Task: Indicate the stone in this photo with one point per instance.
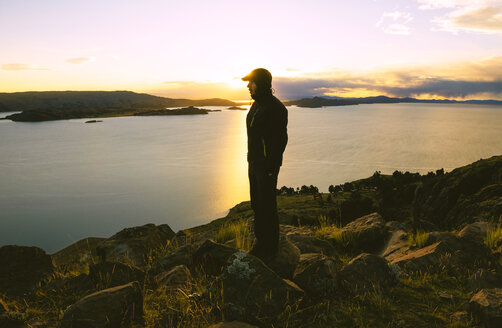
(212, 257)
(111, 274)
(428, 258)
(483, 279)
(397, 245)
(78, 254)
(22, 268)
(365, 271)
(486, 305)
(232, 324)
(177, 277)
(113, 307)
(365, 234)
(285, 261)
(316, 274)
(310, 244)
(474, 232)
(254, 293)
(133, 245)
(180, 256)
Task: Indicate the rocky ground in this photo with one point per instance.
(432, 259)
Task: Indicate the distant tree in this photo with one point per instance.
(331, 189)
(304, 190)
(347, 186)
(440, 172)
(338, 188)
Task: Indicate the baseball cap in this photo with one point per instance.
(260, 76)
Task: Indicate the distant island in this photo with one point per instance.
(64, 105)
(190, 110)
(236, 108)
(316, 102)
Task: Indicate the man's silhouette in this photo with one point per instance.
(267, 138)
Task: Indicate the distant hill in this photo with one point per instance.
(316, 102)
(56, 105)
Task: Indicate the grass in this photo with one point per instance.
(492, 235)
(418, 239)
(239, 231)
(331, 231)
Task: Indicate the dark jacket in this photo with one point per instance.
(266, 123)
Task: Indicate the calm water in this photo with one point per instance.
(64, 180)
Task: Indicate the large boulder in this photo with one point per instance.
(487, 306)
(77, 255)
(212, 257)
(366, 271)
(307, 243)
(22, 268)
(177, 277)
(285, 261)
(254, 293)
(316, 274)
(365, 234)
(474, 233)
(180, 256)
(114, 307)
(133, 245)
(397, 245)
(111, 274)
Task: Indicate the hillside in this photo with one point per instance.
(400, 250)
(54, 105)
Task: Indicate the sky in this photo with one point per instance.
(200, 49)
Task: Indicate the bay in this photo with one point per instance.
(61, 181)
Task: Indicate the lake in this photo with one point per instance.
(61, 181)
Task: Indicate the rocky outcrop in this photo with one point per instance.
(474, 233)
(132, 245)
(77, 253)
(285, 261)
(397, 245)
(365, 234)
(114, 307)
(254, 293)
(307, 243)
(365, 271)
(316, 274)
(180, 256)
(212, 257)
(111, 274)
(487, 306)
(22, 268)
(177, 277)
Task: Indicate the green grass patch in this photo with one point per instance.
(492, 235)
(236, 230)
(418, 239)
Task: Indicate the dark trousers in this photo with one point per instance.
(262, 188)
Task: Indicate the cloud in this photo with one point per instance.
(476, 80)
(395, 22)
(80, 60)
(21, 67)
(483, 16)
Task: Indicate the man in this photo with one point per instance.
(267, 138)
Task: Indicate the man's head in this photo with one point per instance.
(260, 80)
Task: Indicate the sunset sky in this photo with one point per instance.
(200, 49)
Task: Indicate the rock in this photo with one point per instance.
(78, 254)
(22, 268)
(310, 244)
(316, 274)
(254, 293)
(474, 232)
(397, 245)
(181, 255)
(487, 306)
(446, 250)
(365, 271)
(396, 225)
(365, 234)
(285, 261)
(462, 316)
(483, 278)
(80, 284)
(232, 324)
(132, 245)
(111, 274)
(212, 257)
(113, 307)
(177, 277)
